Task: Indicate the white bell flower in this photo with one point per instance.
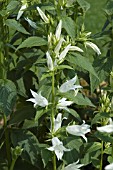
(58, 46)
(69, 85)
(58, 121)
(58, 30)
(64, 53)
(31, 23)
(79, 130)
(62, 104)
(106, 128)
(49, 61)
(75, 48)
(109, 167)
(42, 15)
(38, 99)
(21, 11)
(74, 166)
(93, 46)
(58, 148)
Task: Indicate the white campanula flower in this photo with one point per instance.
(58, 121)
(74, 166)
(58, 148)
(109, 167)
(64, 53)
(42, 15)
(38, 99)
(106, 128)
(58, 46)
(31, 23)
(79, 130)
(75, 48)
(62, 104)
(58, 30)
(21, 11)
(49, 61)
(69, 85)
(93, 46)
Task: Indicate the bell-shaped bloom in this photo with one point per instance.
(93, 46)
(21, 11)
(107, 128)
(58, 46)
(79, 130)
(64, 53)
(58, 148)
(69, 85)
(58, 121)
(58, 30)
(49, 61)
(74, 166)
(42, 15)
(31, 23)
(75, 48)
(38, 99)
(109, 167)
(62, 104)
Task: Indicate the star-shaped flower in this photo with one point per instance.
(62, 104)
(58, 148)
(38, 99)
(69, 85)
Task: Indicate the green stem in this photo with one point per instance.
(101, 161)
(12, 164)
(53, 102)
(7, 141)
(112, 150)
(53, 115)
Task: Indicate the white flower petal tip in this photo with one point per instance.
(62, 104)
(75, 48)
(93, 46)
(42, 15)
(107, 128)
(21, 11)
(74, 166)
(58, 30)
(31, 23)
(64, 53)
(69, 85)
(49, 61)
(38, 99)
(109, 167)
(58, 148)
(58, 122)
(79, 130)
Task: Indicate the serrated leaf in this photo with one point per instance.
(12, 5)
(46, 156)
(104, 137)
(29, 124)
(69, 26)
(7, 96)
(32, 42)
(82, 62)
(75, 114)
(16, 26)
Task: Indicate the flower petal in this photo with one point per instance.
(58, 30)
(21, 11)
(43, 16)
(49, 61)
(93, 46)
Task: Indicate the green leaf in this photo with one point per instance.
(99, 116)
(75, 114)
(109, 7)
(7, 96)
(46, 156)
(84, 5)
(82, 62)
(29, 124)
(12, 6)
(16, 26)
(29, 143)
(79, 99)
(32, 42)
(104, 137)
(69, 26)
(40, 113)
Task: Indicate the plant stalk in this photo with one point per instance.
(101, 161)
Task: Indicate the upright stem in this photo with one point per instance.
(53, 115)
(7, 141)
(112, 150)
(101, 161)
